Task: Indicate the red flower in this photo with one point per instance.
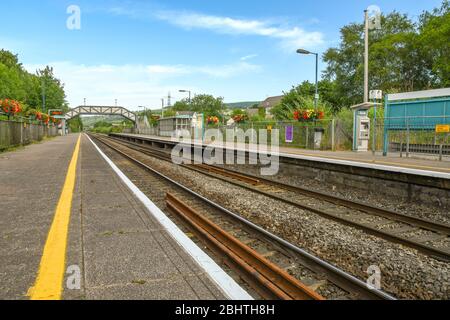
(212, 120)
(321, 115)
(10, 106)
(305, 115)
(296, 115)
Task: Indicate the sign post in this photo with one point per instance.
(59, 114)
(375, 95)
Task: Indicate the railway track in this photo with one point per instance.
(428, 237)
(273, 267)
(272, 281)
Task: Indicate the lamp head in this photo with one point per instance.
(303, 51)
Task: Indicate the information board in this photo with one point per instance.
(289, 135)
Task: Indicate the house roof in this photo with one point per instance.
(271, 102)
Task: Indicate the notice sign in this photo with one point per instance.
(56, 113)
(443, 128)
(289, 136)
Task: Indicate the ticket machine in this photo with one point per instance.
(363, 132)
(361, 127)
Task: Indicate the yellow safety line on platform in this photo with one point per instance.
(48, 285)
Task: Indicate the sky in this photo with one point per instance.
(138, 51)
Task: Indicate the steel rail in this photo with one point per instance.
(281, 284)
(354, 204)
(392, 215)
(335, 274)
(424, 248)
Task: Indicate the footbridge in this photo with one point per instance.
(101, 111)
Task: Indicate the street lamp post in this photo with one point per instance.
(187, 91)
(162, 107)
(316, 96)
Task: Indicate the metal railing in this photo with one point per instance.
(333, 132)
(402, 136)
(414, 135)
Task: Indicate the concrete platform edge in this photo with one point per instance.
(228, 286)
(323, 159)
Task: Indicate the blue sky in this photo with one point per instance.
(138, 51)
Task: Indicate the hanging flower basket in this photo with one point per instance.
(45, 118)
(32, 114)
(308, 115)
(212, 120)
(240, 118)
(10, 107)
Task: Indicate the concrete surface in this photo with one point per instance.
(30, 184)
(121, 251)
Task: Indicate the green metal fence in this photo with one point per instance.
(335, 134)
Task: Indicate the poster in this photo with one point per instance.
(289, 136)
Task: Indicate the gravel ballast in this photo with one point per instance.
(433, 213)
(405, 273)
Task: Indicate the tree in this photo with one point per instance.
(202, 103)
(55, 97)
(75, 124)
(102, 124)
(182, 105)
(11, 77)
(208, 105)
(434, 38)
(302, 98)
(18, 84)
(403, 56)
(237, 112)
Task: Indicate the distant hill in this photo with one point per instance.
(241, 105)
(89, 121)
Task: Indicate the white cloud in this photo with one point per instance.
(133, 85)
(291, 37)
(222, 71)
(248, 57)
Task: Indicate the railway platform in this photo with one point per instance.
(399, 179)
(73, 227)
(393, 162)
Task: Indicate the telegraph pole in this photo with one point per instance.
(366, 56)
(43, 94)
(169, 100)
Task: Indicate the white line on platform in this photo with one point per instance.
(229, 287)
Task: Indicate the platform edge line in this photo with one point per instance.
(227, 284)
